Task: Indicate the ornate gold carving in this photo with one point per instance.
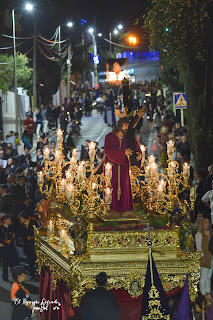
(124, 261)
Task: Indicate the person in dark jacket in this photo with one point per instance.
(27, 235)
(63, 121)
(99, 303)
(7, 248)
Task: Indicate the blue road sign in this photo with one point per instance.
(180, 100)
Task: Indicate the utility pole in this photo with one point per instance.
(69, 65)
(110, 41)
(95, 57)
(34, 69)
(15, 75)
(84, 78)
(59, 52)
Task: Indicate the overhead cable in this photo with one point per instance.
(19, 38)
(6, 48)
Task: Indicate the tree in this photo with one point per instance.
(24, 72)
(181, 31)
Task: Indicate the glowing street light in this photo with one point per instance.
(69, 24)
(91, 30)
(99, 34)
(115, 31)
(120, 27)
(132, 40)
(29, 7)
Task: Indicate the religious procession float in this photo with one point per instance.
(80, 236)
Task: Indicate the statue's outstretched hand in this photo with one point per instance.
(128, 152)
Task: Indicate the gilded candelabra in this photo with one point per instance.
(160, 191)
(75, 184)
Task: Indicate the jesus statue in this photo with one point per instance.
(118, 153)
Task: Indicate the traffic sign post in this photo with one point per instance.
(180, 102)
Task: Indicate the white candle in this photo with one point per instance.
(186, 169)
(160, 191)
(151, 159)
(170, 145)
(92, 149)
(94, 185)
(143, 150)
(40, 177)
(60, 135)
(51, 226)
(108, 170)
(63, 184)
(70, 190)
(68, 175)
(63, 235)
(46, 153)
(153, 168)
(108, 195)
(57, 155)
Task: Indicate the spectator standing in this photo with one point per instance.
(207, 199)
(208, 179)
(44, 119)
(29, 127)
(26, 140)
(202, 238)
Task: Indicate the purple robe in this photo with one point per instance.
(115, 153)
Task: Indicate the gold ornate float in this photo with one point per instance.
(123, 255)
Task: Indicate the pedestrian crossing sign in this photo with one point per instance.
(180, 100)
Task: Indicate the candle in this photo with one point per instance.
(40, 177)
(170, 145)
(143, 150)
(108, 195)
(57, 155)
(151, 159)
(186, 170)
(63, 184)
(153, 168)
(70, 190)
(51, 226)
(160, 191)
(80, 171)
(63, 235)
(46, 153)
(92, 149)
(68, 175)
(108, 170)
(60, 134)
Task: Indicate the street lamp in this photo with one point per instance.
(99, 34)
(115, 31)
(28, 7)
(95, 54)
(69, 24)
(120, 27)
(91, 30)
